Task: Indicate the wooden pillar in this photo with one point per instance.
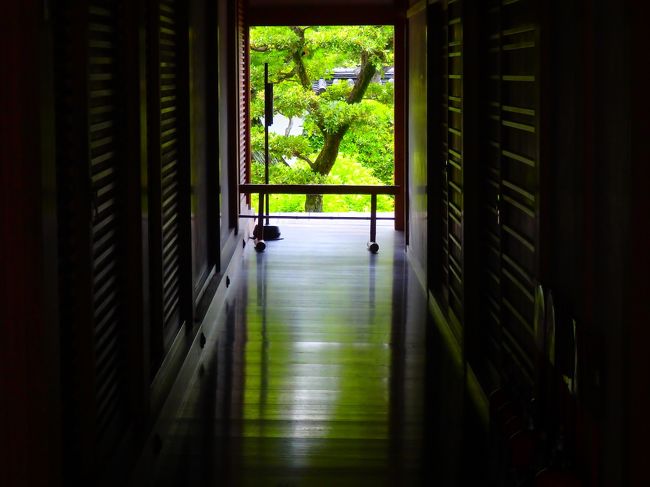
(638, 370)
(30, 451)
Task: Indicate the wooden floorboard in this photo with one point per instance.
(316, 375)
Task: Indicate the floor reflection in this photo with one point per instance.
(316, 375)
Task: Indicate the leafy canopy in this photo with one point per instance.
(355, 119)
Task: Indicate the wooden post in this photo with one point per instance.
(372, 245)
(260, 245)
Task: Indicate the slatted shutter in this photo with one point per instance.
(169, 171)
(510, 189)
(491, 189)
(243, 100)
(453, 160)
(106, 145)
(93, 238)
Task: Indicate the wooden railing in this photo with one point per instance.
(264, 189)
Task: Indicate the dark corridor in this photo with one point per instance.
(503, 341)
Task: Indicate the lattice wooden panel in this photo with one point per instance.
(243, 98)
(490, 175)
(510, 180)
(453, 151)
(106, 156)
(91, 160)
(170, 162)
(168, 171)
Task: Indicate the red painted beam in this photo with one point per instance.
(324, 15)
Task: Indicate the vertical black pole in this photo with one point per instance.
(373, 217)
(373, 246)
(260, 245)
(267, 123)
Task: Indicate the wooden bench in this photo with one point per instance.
(265, 189)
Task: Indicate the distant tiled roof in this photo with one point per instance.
(349, 75)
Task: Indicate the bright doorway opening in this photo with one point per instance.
(333, 112)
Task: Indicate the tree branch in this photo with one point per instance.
(366, 71)
(299, 32)
(287, 131)
(303, 78)
(306, 159)
(296, 56)
(285, 76)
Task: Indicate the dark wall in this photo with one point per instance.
(616, 215)
(329, 3)
(611, 228)
(592, 227)
(228, 129)
(417, 138)
(322, 11)
(203, 149)
(637, 311)
(570, 210)
(593, 236)
(61, 105)
(30, 425)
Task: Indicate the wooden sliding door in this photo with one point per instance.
(170, 265)
(510, 190)
(93, 170)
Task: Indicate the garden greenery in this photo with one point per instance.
(347, 129)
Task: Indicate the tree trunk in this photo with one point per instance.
(314, 203)
(332, 140)
(323, 165)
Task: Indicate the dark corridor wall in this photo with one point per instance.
(559, 91)
(115, 235)
(29, 365)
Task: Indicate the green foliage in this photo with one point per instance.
(373, 146)
(280, 146)
(290, 100)
(300, 173)
(346, 171)
(299, 56)
(349, 171)
(384, 94)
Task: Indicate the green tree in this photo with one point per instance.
(355, 118)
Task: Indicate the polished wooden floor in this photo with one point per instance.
(316, 374)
